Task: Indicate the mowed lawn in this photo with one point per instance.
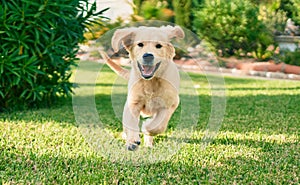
(258, 142)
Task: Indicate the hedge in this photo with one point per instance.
(38, 45)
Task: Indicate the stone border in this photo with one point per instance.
(242, 73)
(201, 66)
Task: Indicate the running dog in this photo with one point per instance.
(153, 80)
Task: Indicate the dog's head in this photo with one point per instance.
(149, 47)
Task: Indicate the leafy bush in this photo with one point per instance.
(39, 41)
(137, 6)
(182, 9)
(231, 26)
(292, 7)
(156, 9)
(273, 17)
(291, 57)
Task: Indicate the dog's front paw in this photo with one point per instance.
(133, 146)
(137, 142)
(131, 142)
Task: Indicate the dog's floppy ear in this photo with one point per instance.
(174, 32)
(122, 37)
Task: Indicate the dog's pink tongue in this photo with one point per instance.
(148, 69)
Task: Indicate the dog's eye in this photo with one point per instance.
(140, 44)
(158, 46)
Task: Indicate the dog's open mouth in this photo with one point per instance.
(148, 71)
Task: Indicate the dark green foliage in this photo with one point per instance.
(197, 3)
(291, 57)
(292, 7)
(156, 9)
(38, 46)
(138, 4)
(182, 10)
(231, 26)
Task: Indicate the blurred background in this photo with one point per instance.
(249, 28)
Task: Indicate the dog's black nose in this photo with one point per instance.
(148, 57)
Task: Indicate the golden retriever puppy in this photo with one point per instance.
(153, 80)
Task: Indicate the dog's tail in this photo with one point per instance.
(124, 73)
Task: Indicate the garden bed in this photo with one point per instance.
(242, 67)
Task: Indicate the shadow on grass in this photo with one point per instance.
(263, 88)
(60, 112)
(271, 114)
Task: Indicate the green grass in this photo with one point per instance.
(258, 142)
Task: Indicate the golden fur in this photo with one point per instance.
(153, 81)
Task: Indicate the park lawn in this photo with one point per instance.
(258, 142)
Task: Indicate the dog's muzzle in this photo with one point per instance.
(147, 71)
(147, 67)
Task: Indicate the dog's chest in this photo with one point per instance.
(155, 88)
(151, 88)
(154, 94)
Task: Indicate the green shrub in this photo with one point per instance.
(273, 17)
(137, 6)
(156, 9)
(231, 26)
(182, 9)
(38, 46)
(291, 57)
(292, 7)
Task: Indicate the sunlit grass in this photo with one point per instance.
(258, 142)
